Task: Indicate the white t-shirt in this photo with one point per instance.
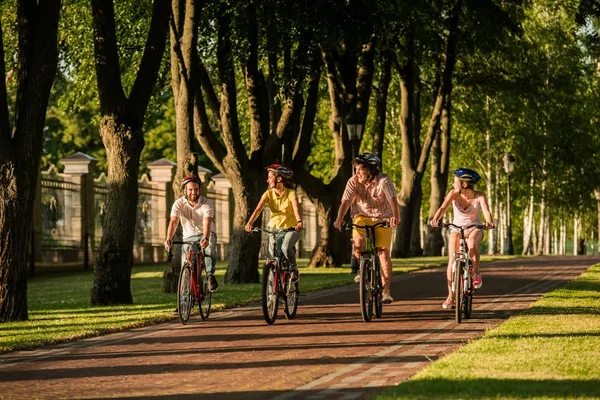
(192, 218)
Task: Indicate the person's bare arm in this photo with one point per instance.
(442, 210)
(255, 215)
(344, 206)
(296, 207)
(206, 224)
(485, 208)
(171, 231)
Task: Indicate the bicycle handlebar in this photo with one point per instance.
(274, 231)
(383, 224)
(170, 255)
(463, 227)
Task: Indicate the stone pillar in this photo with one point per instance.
(81, 167)
(223, 213)
(162, 172)
(205, 175)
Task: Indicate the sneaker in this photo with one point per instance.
(295, 275)
(477, 281)
(176, 313)
(449, 303)
(387, 297)
(213, 285)
(357, 278)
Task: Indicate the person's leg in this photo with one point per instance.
(353, 263)
(473, 241)
(386, 267)
(452, 247)
(287, 247)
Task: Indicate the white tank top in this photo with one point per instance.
(467, 216)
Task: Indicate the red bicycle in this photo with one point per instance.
(277, 281)
(192, 287)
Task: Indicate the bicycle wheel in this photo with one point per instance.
(468, 285)
(378, 293)
(290, 306)
(185, 293)
(270, 301)
(205, 300)
(457, 285)
(366, 298)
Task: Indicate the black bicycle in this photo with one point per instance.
(462, 274)
(277, 281)
(192, 287)
(371, 287)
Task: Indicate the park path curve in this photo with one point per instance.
(327, 352)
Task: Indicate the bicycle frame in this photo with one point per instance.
(462, 273)
(198, 290)
(281, 286)
(371, 287)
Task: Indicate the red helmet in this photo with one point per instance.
(190, 178)
(286, 173)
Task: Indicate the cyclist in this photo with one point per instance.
(467, 203)
(197, 220)
(282, 200)
(371, 197)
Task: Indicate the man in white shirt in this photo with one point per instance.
(197, 220)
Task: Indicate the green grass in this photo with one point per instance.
(550, 351)
(60, 310)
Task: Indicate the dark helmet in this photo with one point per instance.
(370, 160)
(190, 178)
(286, 173)
(466, 175)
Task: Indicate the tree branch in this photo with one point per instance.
(110, 87)
(151, 59)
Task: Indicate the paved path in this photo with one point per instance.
(327, 352)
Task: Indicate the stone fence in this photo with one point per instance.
(67, 223)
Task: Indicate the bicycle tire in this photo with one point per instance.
(205, 300)
(366, 298)
(468, 302)
(185, 293)
(458, 290)
(270, 298)
(378, 293)
(290, 306)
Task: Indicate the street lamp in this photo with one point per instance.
(509, 166)
(355, 130)
(354, 127)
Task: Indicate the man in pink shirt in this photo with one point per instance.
(372, 196)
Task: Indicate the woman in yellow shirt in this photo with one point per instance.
(282, 200)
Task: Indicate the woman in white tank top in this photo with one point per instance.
(467, 204)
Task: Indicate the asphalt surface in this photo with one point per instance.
(327, 352)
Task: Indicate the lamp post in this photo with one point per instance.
(509, 166)
(597, 196)
(355, 130)
(354, 127)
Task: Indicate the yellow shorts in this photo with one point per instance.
(383, 236)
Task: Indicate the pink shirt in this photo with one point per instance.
(371, 200)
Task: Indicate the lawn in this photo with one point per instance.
(550, 351)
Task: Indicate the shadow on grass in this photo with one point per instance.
(439, 388)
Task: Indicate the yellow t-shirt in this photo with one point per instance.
(282, 211)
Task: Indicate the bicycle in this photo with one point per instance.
(462, 274)
(277, 281)
(371, 287)
(192, 287)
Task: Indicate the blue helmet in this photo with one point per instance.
(466, 175)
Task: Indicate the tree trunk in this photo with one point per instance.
(243, 254)
(21, 146)
(528, 225)
(120, 129)
(440, 161)
(114, 259)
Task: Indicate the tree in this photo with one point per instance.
(121, 123)
(21, 144)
